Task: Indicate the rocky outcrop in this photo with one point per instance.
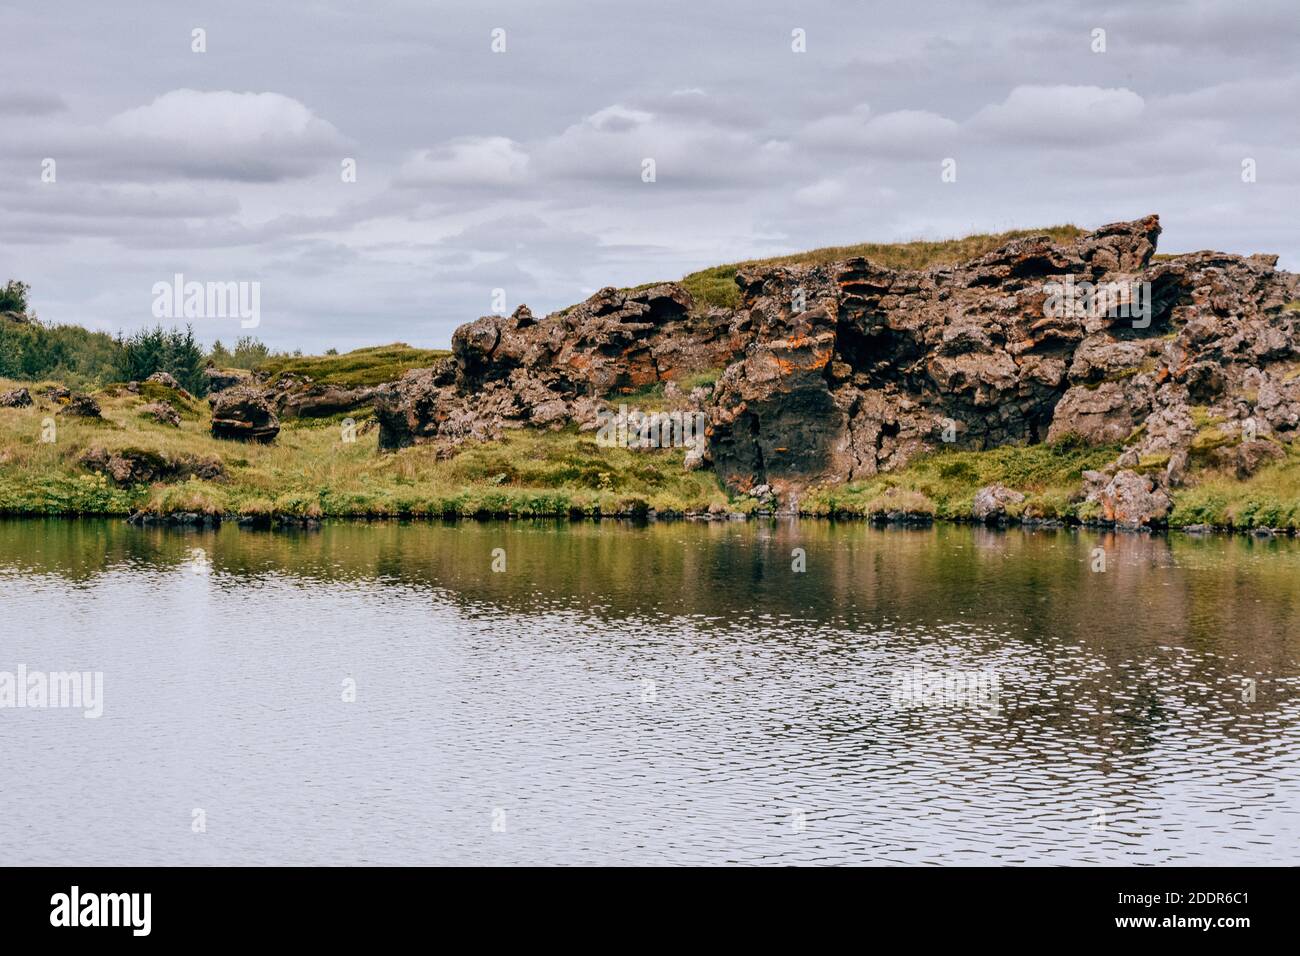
(841, 371)
(129, 466)
(78, 405)
(508, 372)
(164, 413)
(243, 413)
(17, 398)
(166, 379)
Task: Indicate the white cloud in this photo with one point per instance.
(610, 145)
(258, 137)
(1060, 114)
(901, 133)
(468, 161)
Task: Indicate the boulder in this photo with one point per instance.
(318, 401)
(164, 413)
(243, 413)
(17, 398)
(1133, 501)
(167, 380)
(80, 405)
(991, 502)
(129, 466)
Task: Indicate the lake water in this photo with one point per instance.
(669, 693)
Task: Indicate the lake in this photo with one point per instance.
(672, 692)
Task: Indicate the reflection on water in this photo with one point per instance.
(666, 693)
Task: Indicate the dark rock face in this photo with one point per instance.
(244, 414)
(838, 372)
(18, 398)
(883, 364)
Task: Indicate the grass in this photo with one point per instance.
(362, 367)
(1268, 499)
(716, 286)
(944, 484)
(310, 472)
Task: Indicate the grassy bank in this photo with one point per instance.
(716, 286)
(310, 472)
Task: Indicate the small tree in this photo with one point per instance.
(13, 296)
(157, 350)
(249, 353)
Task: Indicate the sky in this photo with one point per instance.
(500, 148)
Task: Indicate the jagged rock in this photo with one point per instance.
(129, 466)
(775, 419)
(1133, 501)
(18, 398)
(507, 372)
(81, 406)
(243, 413)
(164, 413)
(991, 503)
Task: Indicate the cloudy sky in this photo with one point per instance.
(522, 170)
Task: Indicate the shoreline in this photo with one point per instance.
(287, 522)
